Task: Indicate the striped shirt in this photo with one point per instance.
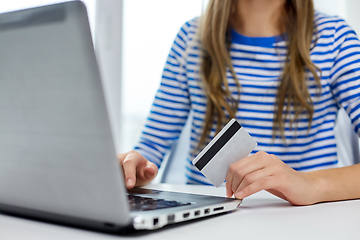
(258, 65)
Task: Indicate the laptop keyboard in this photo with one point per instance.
(139, 203)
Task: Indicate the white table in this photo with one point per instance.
(261, 216)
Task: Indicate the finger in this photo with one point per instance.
(150, 171)
(233, 170)
(235, 183)
(253, 177)
(121, 157)
(229, 193)
(146, 171)
(129, 166)
(262, 184)
(245, 169)
(229, 180)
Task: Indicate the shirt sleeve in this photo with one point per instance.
(171, 105)
(345, 73)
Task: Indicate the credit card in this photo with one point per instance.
(230, 145)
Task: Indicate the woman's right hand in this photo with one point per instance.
(137, 169)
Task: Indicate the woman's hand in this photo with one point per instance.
(137, 169)
(263, 171)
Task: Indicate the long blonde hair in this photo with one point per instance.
(214, 33)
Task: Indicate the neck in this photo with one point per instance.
(258, 18)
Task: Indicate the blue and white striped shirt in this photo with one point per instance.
(258, 64)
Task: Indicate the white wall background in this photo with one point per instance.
(108, 46)
(346, 9)
(149, 29)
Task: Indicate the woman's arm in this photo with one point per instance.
(263, 171)
(337, 183)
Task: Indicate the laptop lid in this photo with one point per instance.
(57, 156)
(56, 147)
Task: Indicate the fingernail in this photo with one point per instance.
(129, 183)
(239, 194)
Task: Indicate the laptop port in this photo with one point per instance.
(197, 213)
(207, 211)
(156, 221)
(218, 209)
(186, 215)
(171, 218)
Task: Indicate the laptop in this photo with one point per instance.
(57, 157)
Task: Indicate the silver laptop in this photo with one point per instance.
(57, 156)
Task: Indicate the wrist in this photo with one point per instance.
(318, 186)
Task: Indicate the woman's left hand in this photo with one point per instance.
(262, 171)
